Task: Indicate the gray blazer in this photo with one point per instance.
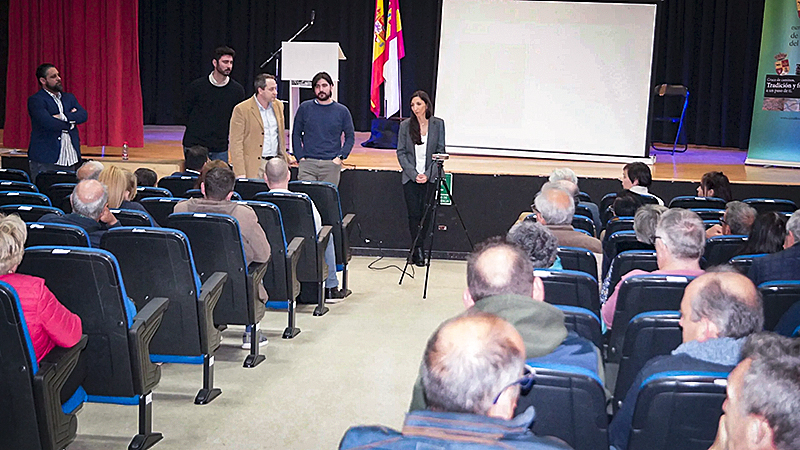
(405, 149)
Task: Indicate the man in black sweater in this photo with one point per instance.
(209, 105)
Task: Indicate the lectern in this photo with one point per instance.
(301, 61)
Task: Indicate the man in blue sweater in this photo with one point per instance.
(317, 134)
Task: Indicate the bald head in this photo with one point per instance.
(90, 170)
(469, 360)
(89, 199)
(556, 205)
(276, 174)
(498, 267)
(568, 186)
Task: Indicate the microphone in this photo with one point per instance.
(313, 15)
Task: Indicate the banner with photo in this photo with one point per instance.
(775, 130)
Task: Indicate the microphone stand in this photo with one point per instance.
(275, 54)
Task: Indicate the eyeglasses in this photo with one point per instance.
(657, 237)
(722, 221)
(525, 383)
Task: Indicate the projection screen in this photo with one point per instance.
(551, 79)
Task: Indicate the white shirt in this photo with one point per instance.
(420, 151)
(317, 217)
(214, 81)
(68, 155)
(270, 122)
(641, 190)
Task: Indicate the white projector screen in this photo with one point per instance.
(546, 79)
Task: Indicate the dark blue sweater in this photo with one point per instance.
(317, 131)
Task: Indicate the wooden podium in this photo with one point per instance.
(300, 62)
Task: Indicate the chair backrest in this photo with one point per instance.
(269, 217)
(217, 247)
(709, 213)
(605, 203)
(46, 179)
(30, 213)
(326, 198)
(580, 417)
(583, 223)
(133, 218)
(197, 193)
(88, 282)
(660, 420)
(579, 259)
(19, 186)
(643, 293)
(249, 187)
(178, 185)
(55, 234)
(584, 197)
(621, 241)
(24, 198)
(143, 192)
(742, 263)
(157, 262)
(14, 175)
(629, 260)
(298, 220)
(763, 205)
(582, 210)
(584, 323)
(618, 224)
(59, 193)
(691, 202)
(570, 288)
(648, 335)
(160, 208)
(720, 249)
(778, 297)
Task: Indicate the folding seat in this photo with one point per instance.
(177, 184)
(88, 283)
(570, 288)
(14, 175)
(197, 193)
(639, 294)
(579, 259)
(583, 223)
(31, 414)
(19, 186)
(584, 197)
(691, 202)
(570, 404)
(648, 335)
(59, 193)
(618, 224)
(763, 205)
(30, 213)
(249, 187)
(709, 213)
(778, 297)
(678, 410)
(583, 210)
(583, 322)
(55, 234)
(326, 198)
(24, 198)
(133, 218)
(743, 262)
(281, 277)
(298, 221)
(143, 192)
(46, 179)
(630, 260)
(157, 262)
(217, 247)
(160, 208)
(619, 242)
(720, 249)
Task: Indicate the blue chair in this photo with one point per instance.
(692, 202)
(177, 184)
(627, 261)
(56, 234)
(709, 213)
(763, 205)
(570, 288)
(579, 259)
(14, 175)
(59, 194)
(30, 213)
(583, 223)
(616, 224)
(248, 188)
(743, 262)
(24, 198)
(46, 179)
(133, 218)
(778, 297)
(143, 192)
(583, 322)
(619, 242)
(19, 186)
(720, 249)
(160, 208)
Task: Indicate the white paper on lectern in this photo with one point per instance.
(302, 60)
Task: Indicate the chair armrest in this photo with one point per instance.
(347, 221)
(325, 234)
(145, 374)
(207, 301)
(293, 253)
(257, 270)
(54, 370)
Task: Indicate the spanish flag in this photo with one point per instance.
(378, 59)
(396, 52)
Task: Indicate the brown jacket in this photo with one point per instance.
(246, 139)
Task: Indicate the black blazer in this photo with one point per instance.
(45, 145)
(406, 155)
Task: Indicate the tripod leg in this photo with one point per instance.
(435, 207)
(420, 232)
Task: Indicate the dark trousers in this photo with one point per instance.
(417, 196)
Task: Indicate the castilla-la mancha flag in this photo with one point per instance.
(391, 69)
(378, 59)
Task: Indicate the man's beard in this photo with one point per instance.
(224, 73)
(323, 96)
(57, 87)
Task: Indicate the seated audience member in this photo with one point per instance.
(626, 203)
(767, 234)
(637, 178)
(277, 176)
(783, 265)
(501, 281)
(718, 311)
(554, 208)
(210, 164)
(90, 170)
(715, 184)
(89, 202)
(145, 177)
(472, 368)
(680, 240)
(193, 160)
(121, 185)
(736, 220)
(763, 397)
(567, 174)
(538, 242)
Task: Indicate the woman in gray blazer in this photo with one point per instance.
(420, 136)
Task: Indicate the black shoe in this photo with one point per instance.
(418, 257)
(335, 295)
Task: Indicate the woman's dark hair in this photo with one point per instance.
(767, 234)
(416, 137)
(719, 183)
(626, 203)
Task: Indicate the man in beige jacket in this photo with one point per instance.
(257, 130)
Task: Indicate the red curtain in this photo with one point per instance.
(95, 46)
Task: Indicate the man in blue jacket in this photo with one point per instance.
(55, 144)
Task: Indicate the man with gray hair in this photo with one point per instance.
(718, 311)
(763, 397)
(90, 170)
(680, 240)
(737, 219)
(784, 265)
(90, 211)
(538, 242)
(473, 368)
(554, 207)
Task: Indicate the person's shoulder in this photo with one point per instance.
(365, 435)
(198, 82)
(245, 104)
(436, 120)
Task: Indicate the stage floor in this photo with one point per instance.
(163, 152)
